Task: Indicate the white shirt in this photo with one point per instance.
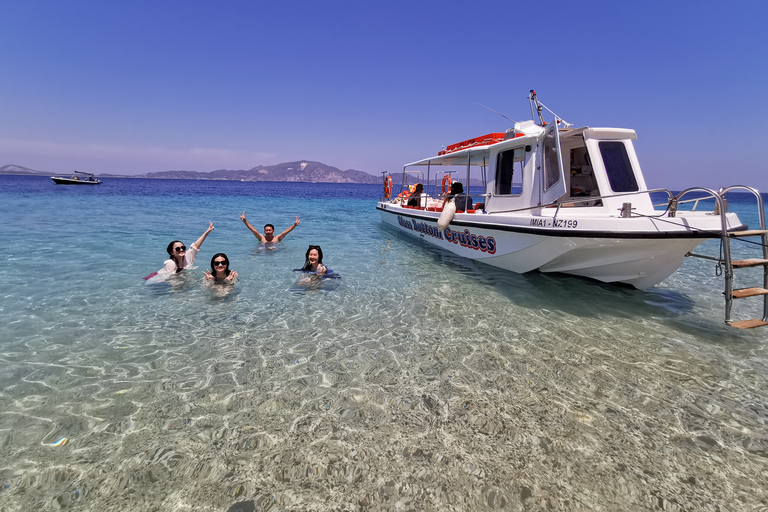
(169, 267)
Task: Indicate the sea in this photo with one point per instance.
(416, 381)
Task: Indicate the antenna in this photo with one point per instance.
(535, 101)
(502, 115)
(540, 107)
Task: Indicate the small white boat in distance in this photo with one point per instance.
(79, 178)
(560, 199)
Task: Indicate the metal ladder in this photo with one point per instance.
(730, 264)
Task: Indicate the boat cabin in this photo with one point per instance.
(541, 165)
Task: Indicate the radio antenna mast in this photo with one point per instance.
(540, 107)
(502, 115)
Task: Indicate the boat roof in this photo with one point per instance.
(85, 173)
(478, 155)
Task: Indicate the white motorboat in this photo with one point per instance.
(560, 199)
(78, 178)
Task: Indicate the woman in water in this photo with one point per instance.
(180, 258)
(313, 264)
(220, 272)
(314, 260)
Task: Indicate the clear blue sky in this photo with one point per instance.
(142, 86)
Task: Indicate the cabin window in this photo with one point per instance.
(618, 167)
(509, 172)
(551, 161)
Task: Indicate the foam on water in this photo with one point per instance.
(421, 382)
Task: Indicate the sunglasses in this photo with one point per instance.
(181, 249)
(314, 246)
(220, 263)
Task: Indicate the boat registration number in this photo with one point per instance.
(554, 223)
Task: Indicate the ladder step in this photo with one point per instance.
(750, 232)
(751, 262)
(748, 324)
(748, 292)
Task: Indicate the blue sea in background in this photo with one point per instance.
(417, 381)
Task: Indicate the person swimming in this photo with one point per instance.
(180, 257)
(314, 260)
(220, 272)
(269, 230)
(313, 268)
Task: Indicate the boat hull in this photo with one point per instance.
(70, 181)
(641, 256)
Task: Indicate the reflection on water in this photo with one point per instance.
(421, 382)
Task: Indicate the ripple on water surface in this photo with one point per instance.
(421, 382)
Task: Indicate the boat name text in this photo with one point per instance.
(464, 238)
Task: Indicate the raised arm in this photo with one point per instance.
(290, 228)
(253, 229)
(199, 241)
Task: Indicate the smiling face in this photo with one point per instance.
(179, 250)
(269, 231)
(220, 267)
(313, 257)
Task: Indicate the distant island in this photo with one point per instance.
(306, 171)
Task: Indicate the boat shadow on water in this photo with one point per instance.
(580, 296)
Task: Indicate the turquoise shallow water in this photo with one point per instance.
(419, 381)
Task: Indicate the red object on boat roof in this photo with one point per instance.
(484, 140)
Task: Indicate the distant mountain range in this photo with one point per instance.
(18, 169)
(306, 171)
(303, 170)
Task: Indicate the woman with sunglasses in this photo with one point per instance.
(180, 258)
(220, 272)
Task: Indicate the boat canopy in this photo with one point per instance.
(477, 155)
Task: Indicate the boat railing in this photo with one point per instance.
(694, 201)
(672, 203)
(437, 184)
(571, 201)
(419, 178)
(726, 259)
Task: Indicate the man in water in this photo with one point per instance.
(269, 231)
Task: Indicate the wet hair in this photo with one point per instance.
(269, 226)
(307, 264)
(457, 188)
(169, 250)
(226, 267)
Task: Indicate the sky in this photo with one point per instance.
(133, 87)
